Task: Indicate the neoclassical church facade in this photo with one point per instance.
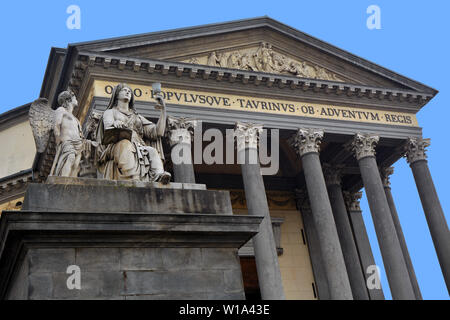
(341, 123)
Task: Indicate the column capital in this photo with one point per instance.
(332, 174)
(247, 135)
(363, 145)
(180, 130)
(306, 140)
(352, 200)
(385, 173)
(415, 149)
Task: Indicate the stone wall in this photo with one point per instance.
(130, 273)
(17, 148)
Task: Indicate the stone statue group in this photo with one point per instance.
(125, 145)
(265, 59)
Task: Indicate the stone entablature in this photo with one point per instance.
(179, 69)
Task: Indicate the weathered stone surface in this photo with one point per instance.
(98, 259)
(20, 291)
(44, 259)
(226, 296)
(182, 258)
(141, 259)
(40, 285)
(172, 296)
(123, 183)
(233, 281)
(123, 254)
(220, 259)
(143, 282)
(194, 281)
(82, 195)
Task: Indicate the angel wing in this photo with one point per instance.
(42, 119)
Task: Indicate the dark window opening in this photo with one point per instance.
(250, 278)
(314, 290)
(303, 237)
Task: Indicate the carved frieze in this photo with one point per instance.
(264, 59)
(277, 200)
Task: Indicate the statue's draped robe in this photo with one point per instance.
(127, 160)
(63, 151)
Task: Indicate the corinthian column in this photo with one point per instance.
(333, 175)
(180, 131)
(362, 242)
(268, 269)
(415, 152)
(306, 142)
(364, 148)
(385, 173)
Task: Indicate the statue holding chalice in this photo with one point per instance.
(130, 146)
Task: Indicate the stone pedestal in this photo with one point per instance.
(175, 244)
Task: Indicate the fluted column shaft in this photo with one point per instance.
(344, 230)
(267, 266)
(306, 142)
(416, 156)
(394, 263)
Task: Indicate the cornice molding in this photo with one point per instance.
(179, 69)
(14, 184)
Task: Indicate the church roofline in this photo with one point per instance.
(8, 116)
(245, 24)
(50, 74)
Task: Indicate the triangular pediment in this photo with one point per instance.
(259, 44)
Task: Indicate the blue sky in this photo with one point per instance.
(413, 41)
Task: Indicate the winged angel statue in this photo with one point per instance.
(70, 143)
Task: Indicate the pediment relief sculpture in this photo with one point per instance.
(264, 59)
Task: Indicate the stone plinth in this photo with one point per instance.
(122, 255)
(92, 195)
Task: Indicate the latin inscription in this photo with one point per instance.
(251, 104)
